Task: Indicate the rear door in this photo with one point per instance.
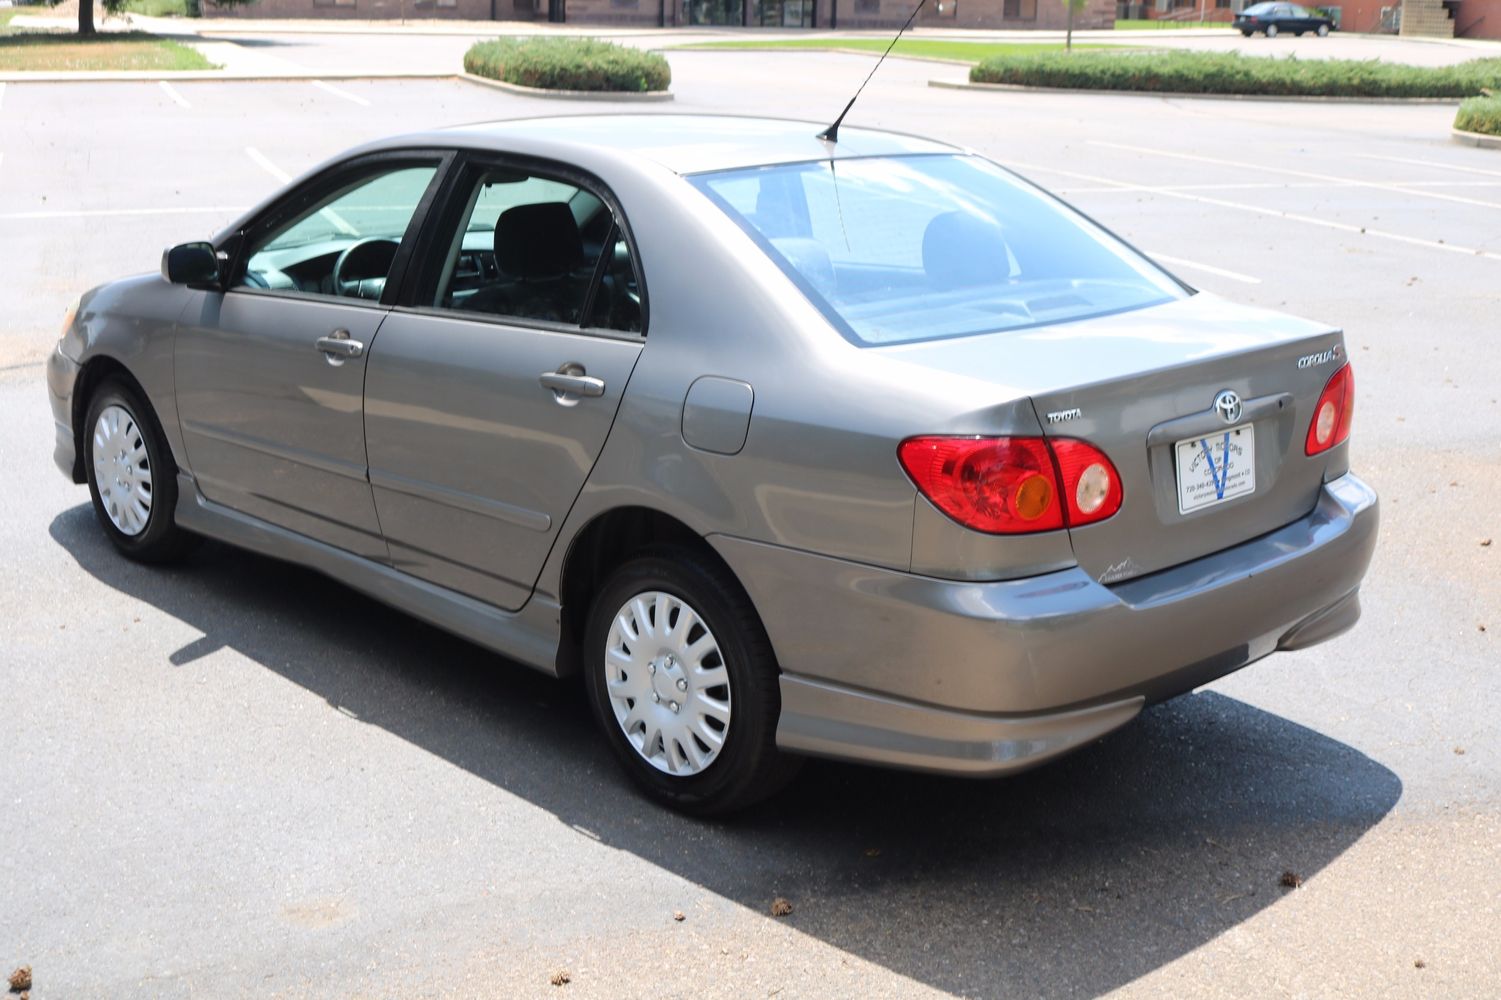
(493, 387)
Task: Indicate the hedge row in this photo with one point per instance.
(568, 64)
(1232, 73)
(1480, 114)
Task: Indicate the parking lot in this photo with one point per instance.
(237, 778)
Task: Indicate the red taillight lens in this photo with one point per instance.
(1013, 485)
(1331, 417)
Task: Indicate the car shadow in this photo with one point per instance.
(1070, 880)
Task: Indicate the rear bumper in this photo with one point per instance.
(986, 678)
(62, 375)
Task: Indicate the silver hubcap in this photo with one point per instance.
(667, 683)
(122, 470)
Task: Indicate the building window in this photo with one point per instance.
(867, 6)
(1019, 10)
(631, 3)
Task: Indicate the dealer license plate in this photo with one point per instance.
(1216, 467)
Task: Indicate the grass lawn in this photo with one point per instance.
(1148, 25)
(970, 52)
(157, 8)
(58, 50)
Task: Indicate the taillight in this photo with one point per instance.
(1091, 486)
(1331, 417)
(1013, 485)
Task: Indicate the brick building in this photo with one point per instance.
(1011, 14)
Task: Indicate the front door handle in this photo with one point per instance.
(337, 347)
(572, 382)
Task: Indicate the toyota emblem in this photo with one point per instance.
(1227, 405)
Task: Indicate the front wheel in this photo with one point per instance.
(1271, 31)
(682, 680)
(132, 479)
(1323, 31)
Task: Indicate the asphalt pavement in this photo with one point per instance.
(236, 778)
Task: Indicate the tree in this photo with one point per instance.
(1074, 6)
(86, 12)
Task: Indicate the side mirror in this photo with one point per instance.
(191, 264)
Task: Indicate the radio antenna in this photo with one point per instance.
(831, 134)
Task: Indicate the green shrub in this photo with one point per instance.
(1480, 114)
(568, 64)
(1231, 73)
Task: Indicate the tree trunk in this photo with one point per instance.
(1068, 38)
(85, 17)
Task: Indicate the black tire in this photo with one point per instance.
(1271, 31)
(748, 766)
(1297, 34)
(1323, 31)
(1247, 33)
(160, 540)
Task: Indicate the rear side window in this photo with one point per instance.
(903, 249)
(534, 247)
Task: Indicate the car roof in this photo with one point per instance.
(683, 143)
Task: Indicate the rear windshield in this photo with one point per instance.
(910, 248)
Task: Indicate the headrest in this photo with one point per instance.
(959, 249)
(538, 241)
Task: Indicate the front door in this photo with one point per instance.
(270, 373)
(489, 399)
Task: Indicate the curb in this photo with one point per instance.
(149, 76)
(1178, 95)
(695, 47)
(566, 95)
(1475, 139)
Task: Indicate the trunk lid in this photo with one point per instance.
(1137, 383)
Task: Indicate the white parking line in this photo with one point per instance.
(281, 175)
(2, 95)
(341, 93)
(1232, 275)
(182, 102)
(1431, 163)
(1273, 212)
(105, 213)
(1399, 189)
(266, 165)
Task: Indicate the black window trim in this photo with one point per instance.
(309, 192)
(420, 285)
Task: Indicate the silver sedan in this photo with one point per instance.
(867, 449)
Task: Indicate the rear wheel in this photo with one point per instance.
(1247, 32)
(1271, 31)
(132, 479)
(683, 682)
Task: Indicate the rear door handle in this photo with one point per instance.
(565, 383)
(338, 346)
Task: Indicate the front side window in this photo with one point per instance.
(533, 247)
(912, 248)
(345, 242)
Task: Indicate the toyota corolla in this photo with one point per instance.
(866, 449)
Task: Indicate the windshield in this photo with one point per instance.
(903, 249)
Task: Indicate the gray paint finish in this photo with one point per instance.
(717, 413)
(482, 479)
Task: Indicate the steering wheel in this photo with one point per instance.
(360, 271)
